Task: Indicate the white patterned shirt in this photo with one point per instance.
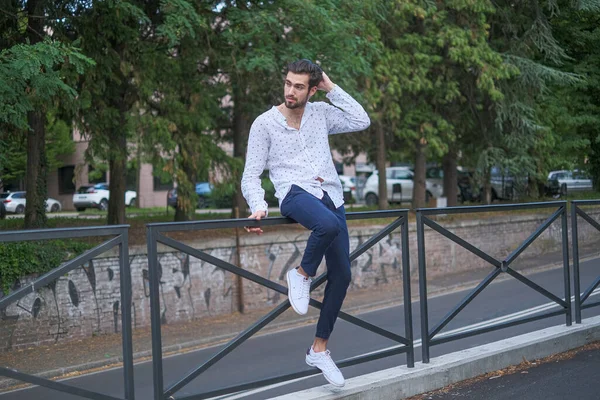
(299, 157)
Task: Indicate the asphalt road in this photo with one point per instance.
(283, 352)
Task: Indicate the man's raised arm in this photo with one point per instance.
(346, 114)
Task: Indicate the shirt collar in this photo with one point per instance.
(308, 111)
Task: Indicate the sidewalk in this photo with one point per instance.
(569, 375)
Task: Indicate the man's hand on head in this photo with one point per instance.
(325, 84)
(258, 215)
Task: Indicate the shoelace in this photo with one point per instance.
(306, 288)
(329, 364)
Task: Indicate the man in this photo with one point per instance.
(291, 141)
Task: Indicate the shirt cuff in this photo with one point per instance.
(333, 92)
(261, 207)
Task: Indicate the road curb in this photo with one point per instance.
(402, 382)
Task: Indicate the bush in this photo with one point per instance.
(221, 195)
(38, 257)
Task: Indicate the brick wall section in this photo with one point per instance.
(86, 301)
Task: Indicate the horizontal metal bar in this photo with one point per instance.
(534, 235)
(60, 387)
(229, 347)
(295, 375)
(271, 221)
(474, 332)
(590, 305)
(352, 216)
(61, 233)
(536, 287)
(589, 219)
(59, 271)
(585, 202)
(463, 243)
(589, 290)
(464, 302)
(490, 208)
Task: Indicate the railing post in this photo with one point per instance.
(423, 288)
(154, 282)
(410, 355)
(126, 325)
(576, 276)
(565, 250)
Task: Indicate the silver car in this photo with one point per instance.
(399, 186)
(570, 181)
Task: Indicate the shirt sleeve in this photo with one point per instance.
(346, 114)
(256, 160)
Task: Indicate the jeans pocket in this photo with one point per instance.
(288, 197)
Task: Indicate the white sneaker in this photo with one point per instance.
(323, 361)
(298, 291)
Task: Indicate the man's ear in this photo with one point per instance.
(312, 91)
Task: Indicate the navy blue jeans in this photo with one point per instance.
(329, 238)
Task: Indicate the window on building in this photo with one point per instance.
(162, 183)
(66, 179)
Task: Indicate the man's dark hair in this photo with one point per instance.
(306, 67)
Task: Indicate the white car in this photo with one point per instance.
(348, 184)
(15, 202)
(97, 196)
(399, 186)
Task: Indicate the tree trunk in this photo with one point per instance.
(138, 171)
(381, 161)
(187, 199)
(450, 178)
(37, 170)
(419, 187)
(241, 129)
(37, 166)
(487, 186)
(117, 165)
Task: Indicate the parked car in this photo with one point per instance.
(349, 187)
(564, 181)
(399, 186)
(15, 202)
(466, 188)
(96, 196)
(203, 190)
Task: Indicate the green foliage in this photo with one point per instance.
(222, 194)
(31, 75)
(13, 148)
(26, 258)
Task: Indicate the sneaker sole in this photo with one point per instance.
(325, 376)
(287, 278)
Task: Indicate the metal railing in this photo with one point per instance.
(581, 298)
(120, 233)
(429, 336)
(155, 236)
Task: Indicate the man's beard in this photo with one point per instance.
(296, 104)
